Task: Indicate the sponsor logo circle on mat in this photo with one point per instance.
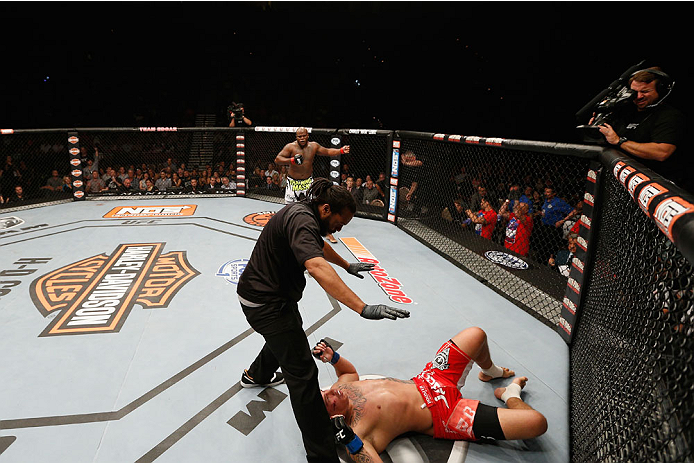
(231, 271)
(9, 222)
(258, 219)
(506, 260)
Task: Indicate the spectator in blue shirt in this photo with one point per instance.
(555, 211)
(515, 196)
(527, 197)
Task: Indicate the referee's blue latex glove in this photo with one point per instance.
(355, 268)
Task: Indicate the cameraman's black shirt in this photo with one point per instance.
(662, 124)
(275, 271)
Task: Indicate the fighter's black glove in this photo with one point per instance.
(377, 312)
(357, 267)
(297, 159)
(318, 354)
(345, 436)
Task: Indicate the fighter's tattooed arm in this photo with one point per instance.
(367, 455)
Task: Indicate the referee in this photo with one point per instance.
(270, 287)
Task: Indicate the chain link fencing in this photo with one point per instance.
(34, 169)
(633, 349)
(363, 170)
(481, 205)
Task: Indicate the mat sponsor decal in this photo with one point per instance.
(9, 226)
(127, 212)
(507, 260)
(231, 271)
(9, 222)
(258, 219)
(96, 294)
(391, 286)
(12, 277)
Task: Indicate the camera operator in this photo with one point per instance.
(237, 115)
(651, 130)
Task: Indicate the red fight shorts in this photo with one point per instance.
(438, 384)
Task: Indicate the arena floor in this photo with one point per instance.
(158, 377)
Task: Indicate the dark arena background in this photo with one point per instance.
(442, 104)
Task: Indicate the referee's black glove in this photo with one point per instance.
(377, 312)
(355, 268)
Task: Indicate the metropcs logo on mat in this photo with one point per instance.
(96, 294)
(126, 212)
(391, 286)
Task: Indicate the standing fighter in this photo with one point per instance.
(271, 286)
(300, 155)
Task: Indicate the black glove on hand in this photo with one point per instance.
(360, 267)
(298, 159)
(345, 436)
(377, 312)
(327, 344)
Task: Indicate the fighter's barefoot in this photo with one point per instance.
(521, 380)
(506, 374)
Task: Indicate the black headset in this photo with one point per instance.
(664, 83)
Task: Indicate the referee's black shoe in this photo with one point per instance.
(247, 381)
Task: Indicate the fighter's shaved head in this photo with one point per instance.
(302, 136)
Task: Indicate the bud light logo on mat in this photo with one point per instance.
(232, 270)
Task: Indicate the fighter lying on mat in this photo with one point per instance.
(368, 414)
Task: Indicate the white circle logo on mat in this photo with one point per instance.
(232, 270)
(506, 260)
(9, 222)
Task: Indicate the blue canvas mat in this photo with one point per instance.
(149, 369)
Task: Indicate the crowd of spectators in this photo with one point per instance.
(367, 192)
(269, 177)
(532, 217)
(48, 176)
(20, 185)
(527, 217)
(168, 176)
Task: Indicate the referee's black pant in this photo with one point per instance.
(286, 347)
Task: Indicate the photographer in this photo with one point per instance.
(237, 115)
(649, 129)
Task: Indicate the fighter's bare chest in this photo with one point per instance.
(307, 151)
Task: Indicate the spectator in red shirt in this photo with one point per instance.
(518, 228)
(484, 219)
